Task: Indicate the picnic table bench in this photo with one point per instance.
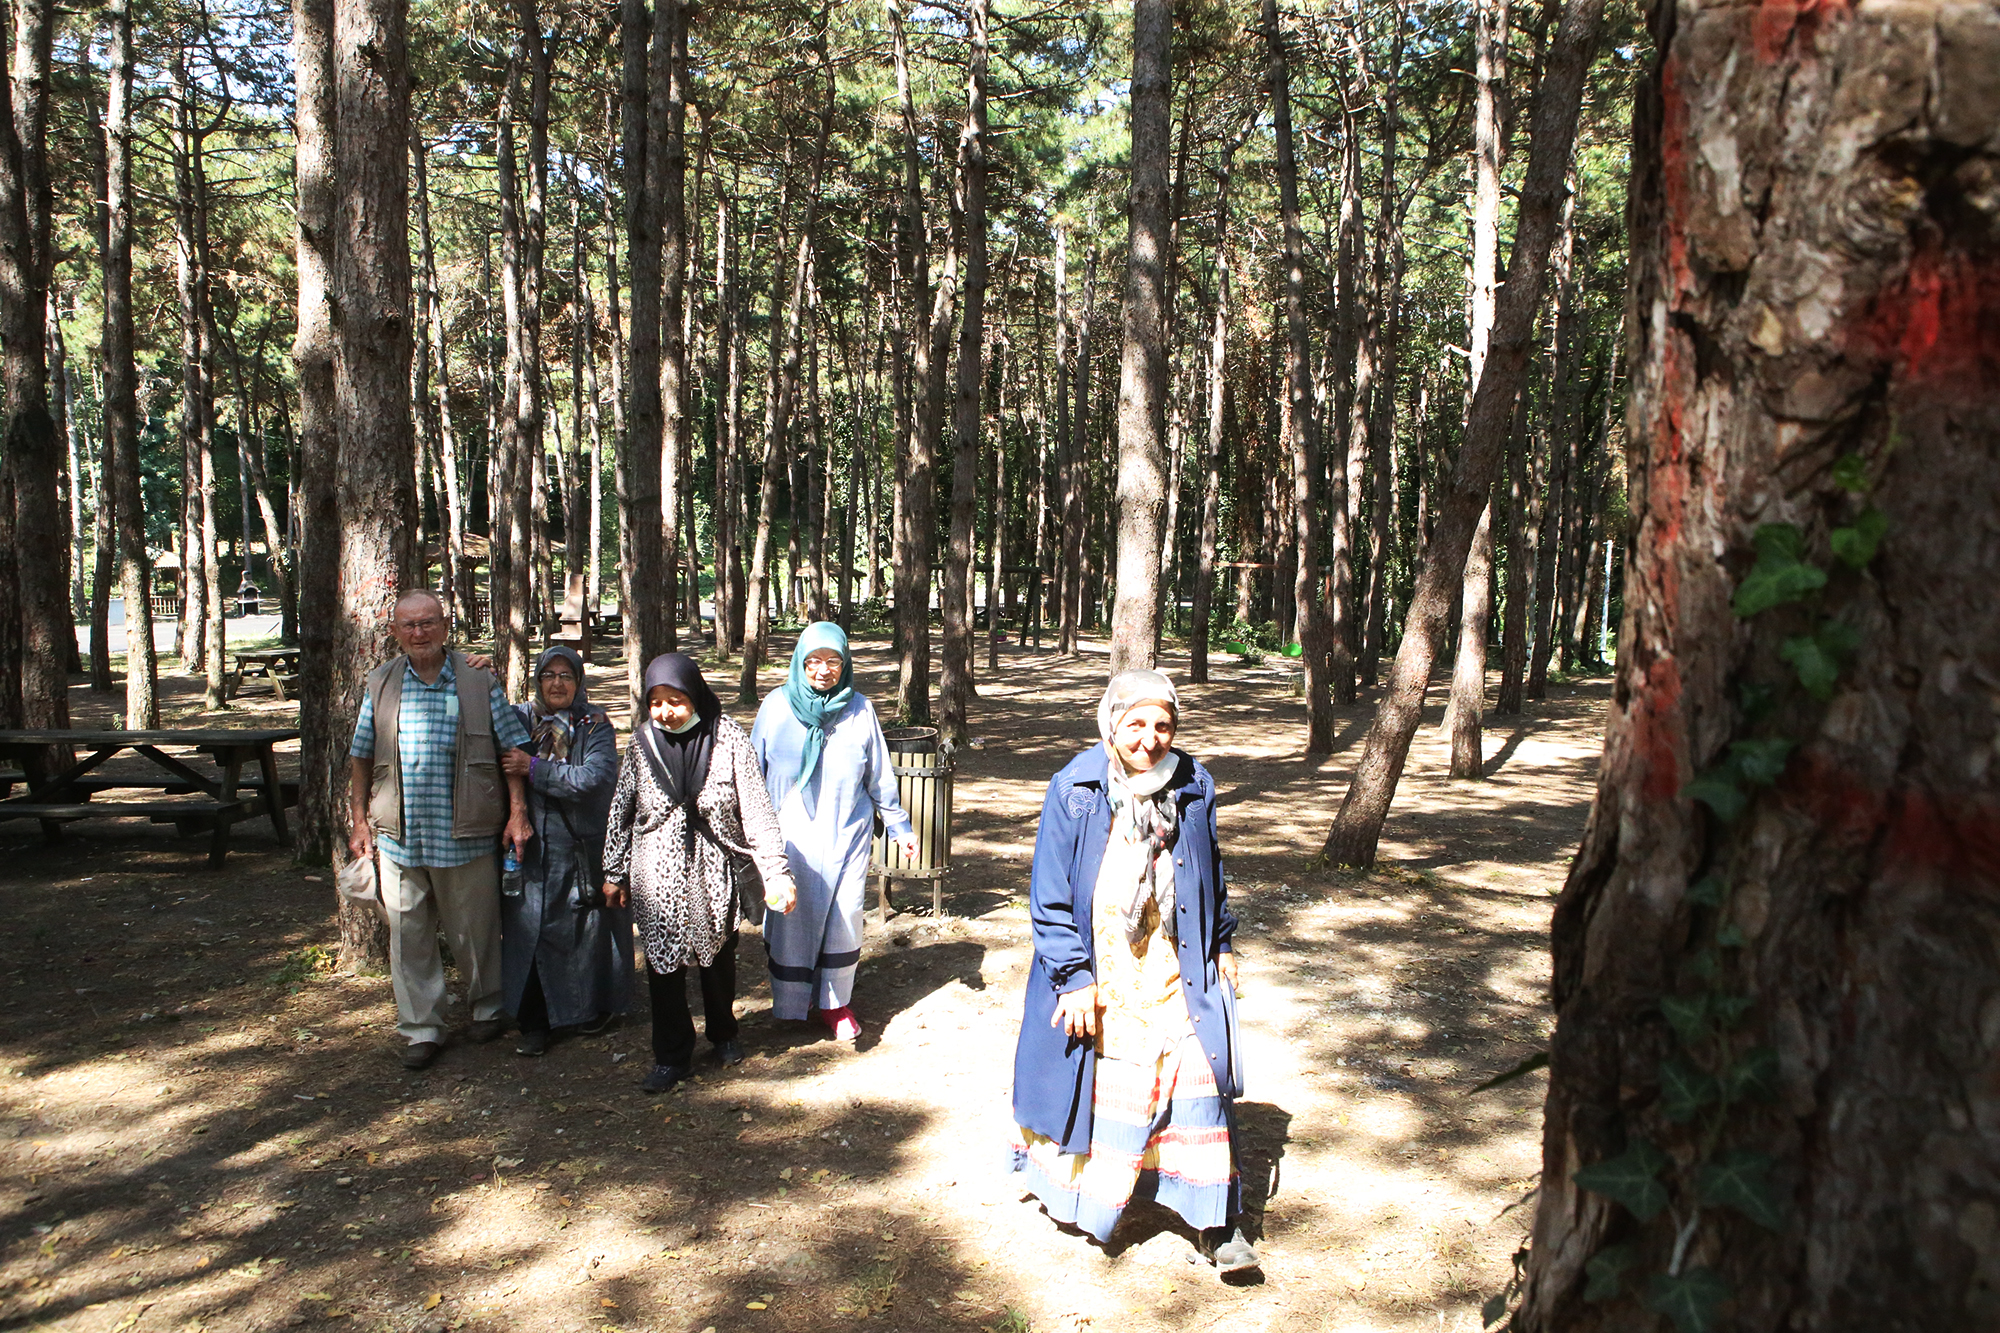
(59, 798)
(280, 666)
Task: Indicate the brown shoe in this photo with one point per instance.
(422, 1054)
(485, 1030)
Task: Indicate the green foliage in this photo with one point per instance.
(1780, 575)
(1632, 1178)
(1606, 1272)
(1690, 1298)
(1685, 1090)
(1742, 1180)
(1856, 544)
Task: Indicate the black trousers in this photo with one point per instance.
(673, 1024)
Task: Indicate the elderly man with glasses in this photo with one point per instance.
(426, 790)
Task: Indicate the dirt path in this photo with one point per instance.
(203, 1130)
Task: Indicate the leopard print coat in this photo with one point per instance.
(685, 908)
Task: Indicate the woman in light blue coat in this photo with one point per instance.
(827, 768)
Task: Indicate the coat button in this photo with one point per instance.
(1197, 1018)
(1180, 860)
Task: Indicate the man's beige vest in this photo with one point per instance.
(478, 807)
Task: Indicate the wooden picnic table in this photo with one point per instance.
(276, 665)
(62, 797)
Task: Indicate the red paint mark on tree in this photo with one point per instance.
(1939, 324)
(1918, 829)
(1656, 724)
(1779, 21)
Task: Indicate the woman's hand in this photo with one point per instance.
(1076, 1013)
(781, 899)
(1225, 963)
(615, 895)
(516, 763)
(908, 845)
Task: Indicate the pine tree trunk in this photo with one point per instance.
(955, 687)
(916, 490)
(647, 48)
(667, 181)
(1773, 959)
(1520, 566)
(1142, 374)
(1357, 828)
(1218, 388)
(1382, 425)
(121, 376)
(1315, 636)
(41, 621)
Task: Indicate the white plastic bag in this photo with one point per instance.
(360, 884)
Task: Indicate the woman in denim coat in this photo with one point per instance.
(1128, 1065)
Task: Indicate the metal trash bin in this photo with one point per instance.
(923, 785)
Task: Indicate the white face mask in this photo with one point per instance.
(694, 720)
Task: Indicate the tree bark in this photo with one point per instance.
(1314, 634)
(33, 451)
(1142, 372)
(916, 489)
(121, 377)
(647, 46)
(667, 181)
(1781, 830)
(1520, 567)
(1382, 424)
(955, 685)
(1358, 827)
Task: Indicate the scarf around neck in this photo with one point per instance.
(812, 709)
(550, 731)
(1143, 811)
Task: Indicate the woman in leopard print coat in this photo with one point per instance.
(689, 816)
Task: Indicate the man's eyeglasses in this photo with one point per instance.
(430, 626)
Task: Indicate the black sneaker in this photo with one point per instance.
(534, 1041)
(662, 1078)
(729, 1052)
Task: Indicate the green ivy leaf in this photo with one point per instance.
(1760, 762)
(1779, 576)
(1730, 936)
(1856, 545)
(1687, 1015)
(1816, 671)
(1690, 1299)
(1755, 700)
(1729, 1009)
(1631, 1178)
(1717, 790)
(1705, 965)
(1778, 543)
(1752, 1076)
(1607, 1269)
(1706, 891)
(1850, 473)
(1742, 1180)
(1684, 1089)
(1763, 588)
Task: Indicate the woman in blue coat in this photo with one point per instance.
(565, 955)
(1127, 1070)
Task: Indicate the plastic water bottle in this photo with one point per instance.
(510, 874)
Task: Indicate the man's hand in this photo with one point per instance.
(908, 844)
(615, 895)
(1076, 1013)
(480, 662)
(516, 763)
(781, 899)
(1225, 963)
(519, 834)
(360, 840)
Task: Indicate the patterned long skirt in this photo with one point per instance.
(1159, 1130)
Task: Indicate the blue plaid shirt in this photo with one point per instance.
(427, 745)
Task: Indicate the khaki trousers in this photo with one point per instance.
(466, 900)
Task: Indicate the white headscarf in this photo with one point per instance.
(1141, 809)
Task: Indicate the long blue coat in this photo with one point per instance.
(1054, 1073)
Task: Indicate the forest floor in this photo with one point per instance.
(203, 1128)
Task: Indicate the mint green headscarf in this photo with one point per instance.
(813, 709)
